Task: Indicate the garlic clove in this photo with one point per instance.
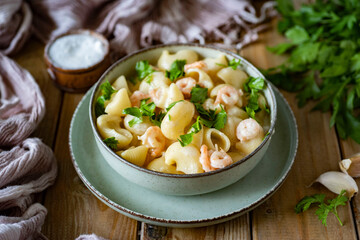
(337, 181)
(351, 165)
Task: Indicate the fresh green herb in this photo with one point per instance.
(220, 119)
(106, 91)
(148, 78)
(253, 86)
(146, 109)
(210, 118)
(198, 94)
(234, 63)
(324, 59)
(169, 116)
(100, 106)
(176, 70)
(186, 139)
(324, 209)
(267, 134)
(143, 69)
(133, 80)
(111, 143)
(157, 118)
(172, 104)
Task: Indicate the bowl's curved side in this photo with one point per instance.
(187, 184)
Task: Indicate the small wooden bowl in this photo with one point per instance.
(77, 80)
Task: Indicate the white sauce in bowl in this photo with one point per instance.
(77, 51)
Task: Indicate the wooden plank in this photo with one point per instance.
(350, 147)
(238, 228)
(318, 152)
(31, 58)
(72, 209)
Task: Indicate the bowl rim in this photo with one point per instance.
(97, 35)
(193, 175)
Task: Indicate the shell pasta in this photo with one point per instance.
(183, 114)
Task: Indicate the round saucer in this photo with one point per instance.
(183, 211)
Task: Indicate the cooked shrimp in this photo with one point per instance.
(136, 97)
(155, 140)
(185, 85)
(228, 96)
(220, 159)
(248, 129)
(205, 159)
(199, 64)
(212, 160)
(156, 94)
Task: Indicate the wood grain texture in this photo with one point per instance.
(238, 228)
(73, 210)
(348, 148)
(31, 58)
(318, 152)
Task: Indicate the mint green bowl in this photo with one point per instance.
(185, 184)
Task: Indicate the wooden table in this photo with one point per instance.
(73, 210)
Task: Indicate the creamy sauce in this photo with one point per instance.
(77, 51)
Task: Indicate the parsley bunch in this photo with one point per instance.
(323, 209)
(106, 91)
(324, 61)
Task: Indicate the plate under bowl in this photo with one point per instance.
(183, 211)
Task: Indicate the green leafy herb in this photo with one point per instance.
(323, 209)
(253, 86)
(186, 139)
(176, 70)
(234, 63)
(324, 59)
(157, 118)
(198, 94)
(111, 143)
(172, 104)
(133, 80)
(143, 69)
(220, 119)
(106, 91)
(146, 109)
(210, 118)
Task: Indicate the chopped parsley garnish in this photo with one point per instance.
(253, 86)
(176, 70)
(210, 118)
(146, 109)
(234, 63)
(198, 94)
(186, 139)
(172, 104)
(111, 143)
(106, 91)
(143, 69)
(323, 209)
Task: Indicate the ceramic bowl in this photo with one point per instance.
(77, 80)
(186, 184)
